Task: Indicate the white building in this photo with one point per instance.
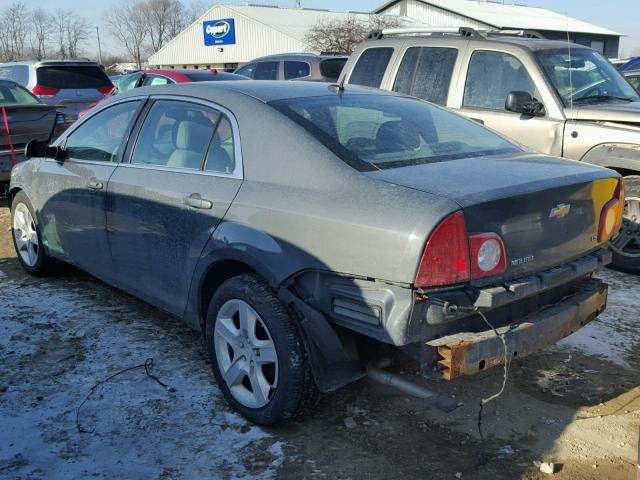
(226, 36)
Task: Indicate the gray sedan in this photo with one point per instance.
(312, 231)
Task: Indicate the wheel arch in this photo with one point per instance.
(624, 158)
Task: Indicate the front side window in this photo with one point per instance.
(634, 80)
(371, 66)
(266, 71)
(153, 80)
(372, 132)
(101, 135)
(584, 76)
(296, 70)
(128, 82)
(175, 134)
(12, 93)
(425, 72)
(492, 76)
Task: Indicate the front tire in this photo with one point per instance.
(27, 239)
(257, 352)
(626, 246)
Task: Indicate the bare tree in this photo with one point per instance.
(127, 22)
(76, 29)
(40, 20)
(59, 22)
(13, 31)
(342, 36)
(164, 20)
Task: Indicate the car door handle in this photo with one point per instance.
(95, 185)
(195, 200)
(479, 120)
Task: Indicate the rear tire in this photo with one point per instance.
(257, 352)
(27, 239)
(626, 246)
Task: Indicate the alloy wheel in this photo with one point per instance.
(25, 235)
(246, 354)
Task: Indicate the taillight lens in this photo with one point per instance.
(487, 255)
(611, 215)
(445, 259)
(41, 91)
(106, 90)
(452, 256)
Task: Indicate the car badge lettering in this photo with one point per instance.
(560, 211)
(219, 29)
(522, 261)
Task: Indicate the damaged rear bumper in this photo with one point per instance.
(466, 353)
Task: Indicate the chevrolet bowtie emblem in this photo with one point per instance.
(560, 211)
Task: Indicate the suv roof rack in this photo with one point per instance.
(461, 31)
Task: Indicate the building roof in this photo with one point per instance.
(502, 15)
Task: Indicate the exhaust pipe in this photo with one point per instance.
(441, 402)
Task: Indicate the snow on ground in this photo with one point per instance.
(617, 331)
(57, 341)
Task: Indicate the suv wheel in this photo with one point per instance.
(26, 237)
(257, 352)
(626, 246)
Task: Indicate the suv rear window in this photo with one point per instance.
(370, 67)
(425, 72)
(72, 76)
(375, 132)
(332, 67)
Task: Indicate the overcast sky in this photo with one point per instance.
(623, 17)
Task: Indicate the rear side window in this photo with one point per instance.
(12, 93)
(425, 72)
(370, 67)
(491, 77)
(101, 135)
(17, 73)
(72, 76)
(296, 70)
(247, 70)
(153, 80)
(221, 155)
(266, 71)
(175, 134)
(332, 67)
(634, 80)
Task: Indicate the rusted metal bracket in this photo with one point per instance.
(468, 353)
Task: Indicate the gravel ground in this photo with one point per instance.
(577, 404)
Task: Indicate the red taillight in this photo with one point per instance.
(487, 255)
(107, 89)
(445, 259)
(41, 91)
(611, 215)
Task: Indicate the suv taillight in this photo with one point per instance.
(611, 215)
(452, 256)
(106, 90)
(41, 91)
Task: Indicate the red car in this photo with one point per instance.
(148, 78)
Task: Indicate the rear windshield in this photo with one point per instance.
(374, 132)
(10, 93)
(72, 76)
(332, 67)
(208, 76)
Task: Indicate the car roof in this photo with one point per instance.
(262, 90)
(533, 44)
(298, 56)
(43, 63)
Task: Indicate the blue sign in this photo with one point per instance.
(219, 32)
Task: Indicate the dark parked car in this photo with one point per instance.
(71, 84)
(294, 66)
(26, 119)
(150, 78)
(308, 230)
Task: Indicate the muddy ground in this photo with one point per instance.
(577, 404)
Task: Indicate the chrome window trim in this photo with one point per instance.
(238, 172)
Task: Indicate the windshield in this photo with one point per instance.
(585, 77)
(374, 132)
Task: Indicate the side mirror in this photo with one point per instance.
(38, 149)
(523, 102)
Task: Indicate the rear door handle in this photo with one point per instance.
(95, 185)
(195, 200)
(479, 120)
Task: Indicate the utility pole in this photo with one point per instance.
(99, 47)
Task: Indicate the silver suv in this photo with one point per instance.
(73, 84)
(294, 66)
(556, 98)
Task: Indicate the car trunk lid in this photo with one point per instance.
(546, 210)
